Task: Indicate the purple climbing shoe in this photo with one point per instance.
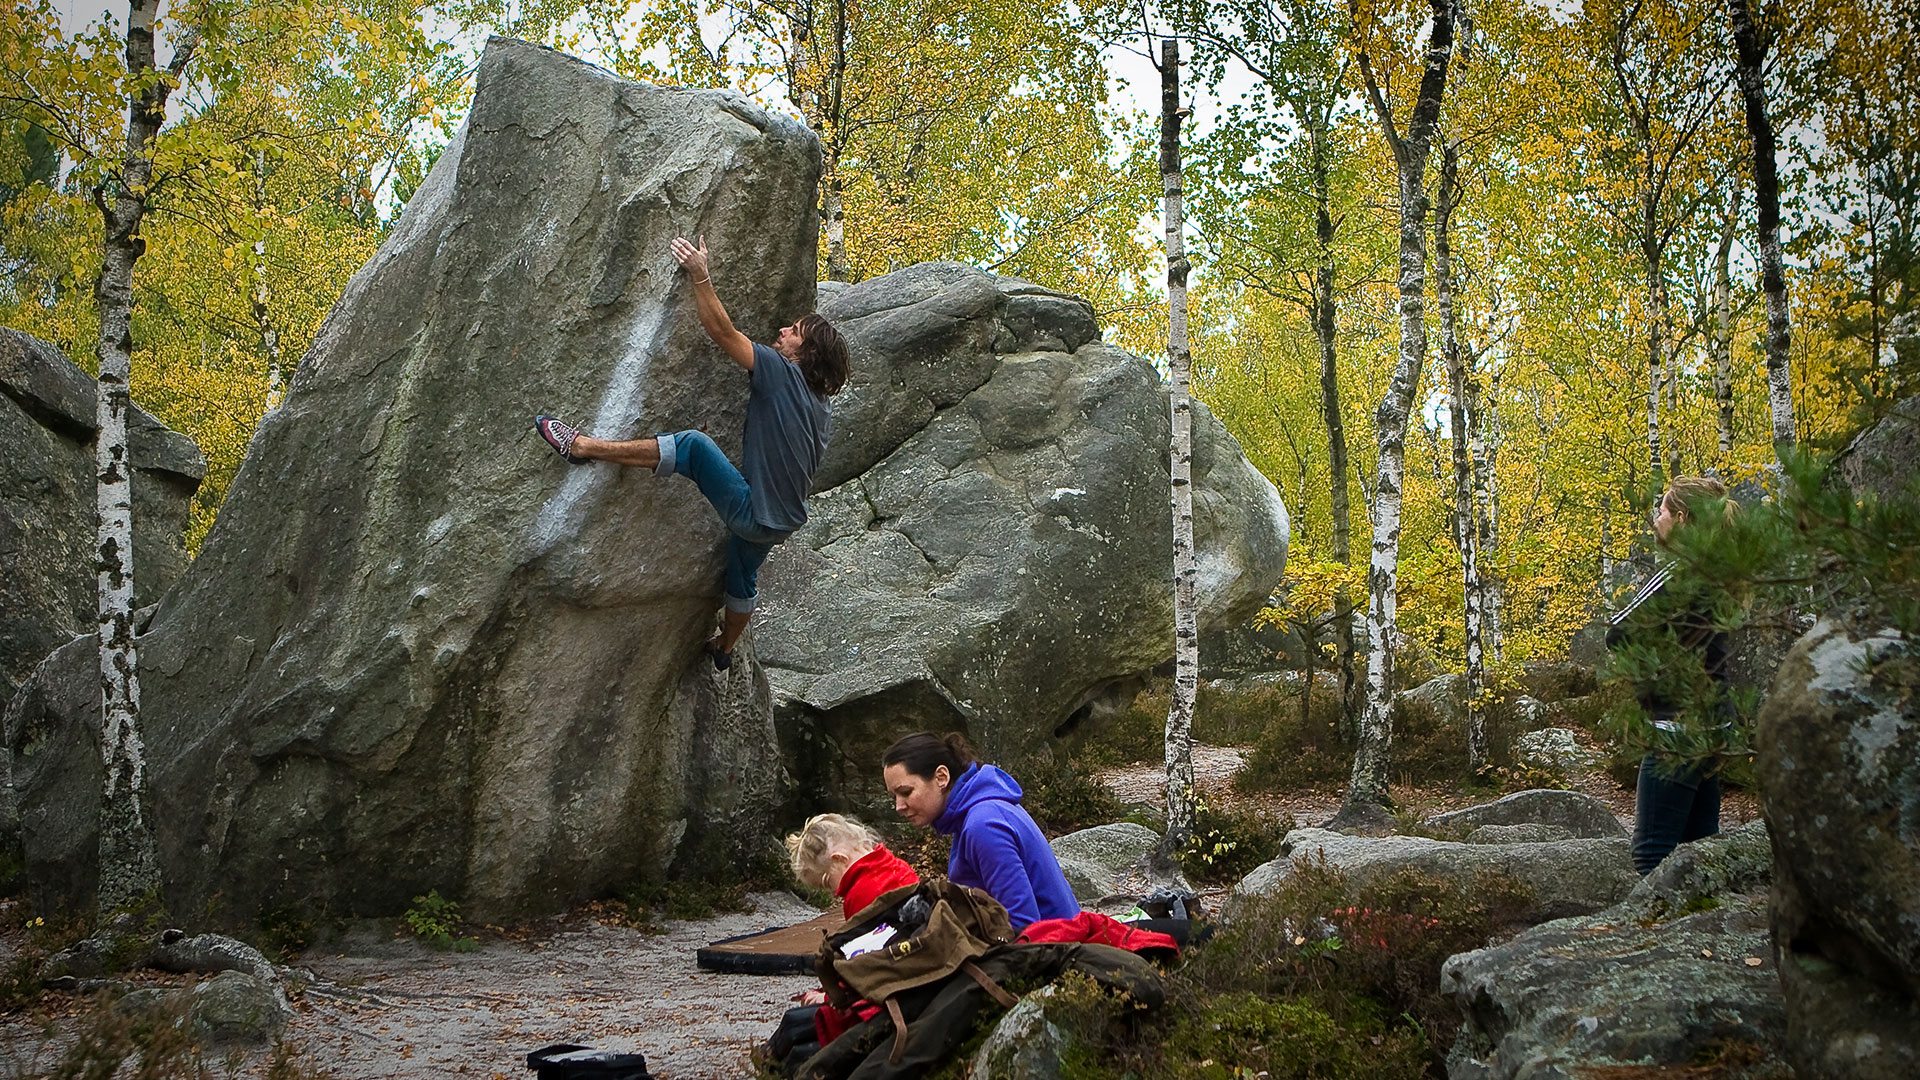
(559, 435)
(721, 660)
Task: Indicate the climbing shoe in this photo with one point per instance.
(559, 435)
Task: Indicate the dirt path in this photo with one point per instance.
(1144, 784)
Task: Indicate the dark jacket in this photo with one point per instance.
(1652, 609)
(998, 848)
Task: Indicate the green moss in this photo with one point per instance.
(1244, 1033)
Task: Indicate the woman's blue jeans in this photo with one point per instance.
(693, 455)
(1672, 806)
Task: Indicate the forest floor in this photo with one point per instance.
(477, 1013)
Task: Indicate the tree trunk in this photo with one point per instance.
(129, 868)
(1483, 421)
(1651, 258)
(1751, 57)
(262, 316)
(1325, 323)
(1466, 532)
(1721, 338)
(1186, 635)
(816, 82)
(1368, 780)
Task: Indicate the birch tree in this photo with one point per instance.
(1367, 783)
(1295, 50)
(1466, 531)
(1186, 633)
(1750, 51)
(129, 869)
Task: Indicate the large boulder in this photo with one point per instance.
(47, 514)
(1610, 994)
(1580, 814)
(1678, 974)
(992, 548)
(417, 651)
(1566, 877)
(1838, 748)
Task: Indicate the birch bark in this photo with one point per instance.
(129, 868)
(1367, 782)
(1186, 634)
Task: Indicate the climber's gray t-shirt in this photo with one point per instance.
(787, 429)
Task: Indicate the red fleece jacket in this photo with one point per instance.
(876, 872)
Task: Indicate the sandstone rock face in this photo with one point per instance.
(992, 545)
(1568, 877)
(1531, 833)
(47, 515)
(1838, 749)
(1583, 815)
(418, 651)
(1580, 996)
(1678, 971)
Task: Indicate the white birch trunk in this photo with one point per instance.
(1367, 782)
(1186, 634)
(1483, 419)
(1466, 531)
(262, 314)
(129, 867)
(1751, 54)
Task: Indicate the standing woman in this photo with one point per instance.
(1676, 801)
(937, 784)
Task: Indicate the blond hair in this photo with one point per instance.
(824, 834)
(1687, 496)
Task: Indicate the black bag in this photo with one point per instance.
(566, 1061)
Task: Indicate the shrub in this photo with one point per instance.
(1321, 935)
(1066, 800)
(436, 921)
(1242, 1034)
(1137, 732)
(1228, 715)
(1227, 843)
(1295, 751)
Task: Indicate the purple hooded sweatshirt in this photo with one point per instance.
(998, 848)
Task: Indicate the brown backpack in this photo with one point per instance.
(962, 924)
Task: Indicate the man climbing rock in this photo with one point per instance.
(789, 418)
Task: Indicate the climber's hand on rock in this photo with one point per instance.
(692, 255)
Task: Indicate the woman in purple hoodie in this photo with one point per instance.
(937, 784)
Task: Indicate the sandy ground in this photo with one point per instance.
(478, 1013)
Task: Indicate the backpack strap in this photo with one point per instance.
(899, 1031)
(1001, 994)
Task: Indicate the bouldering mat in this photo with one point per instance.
(777, 950)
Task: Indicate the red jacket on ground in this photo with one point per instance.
(1099, 929)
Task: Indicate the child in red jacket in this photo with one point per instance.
(844, 857)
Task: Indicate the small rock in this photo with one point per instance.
(1024, 1045)
(236, 1008)
(1553, 750)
